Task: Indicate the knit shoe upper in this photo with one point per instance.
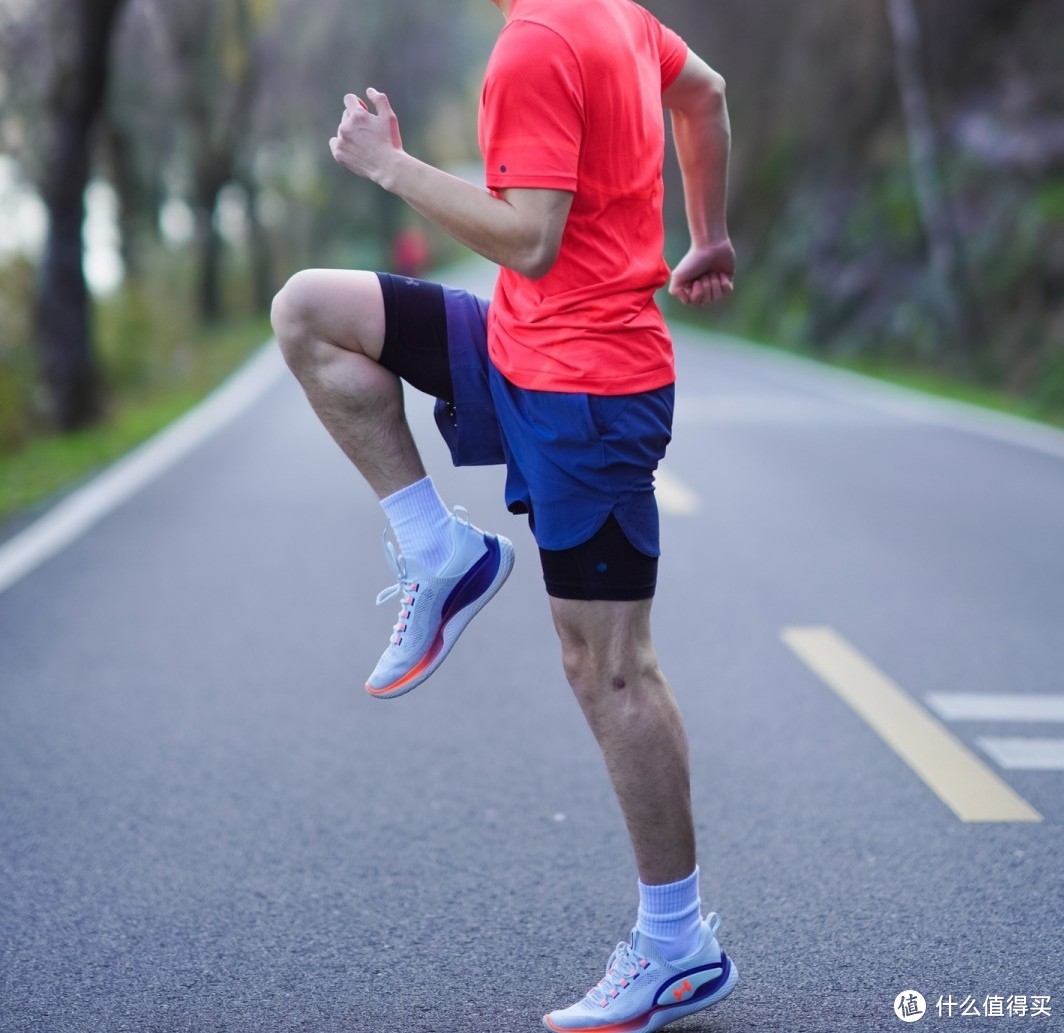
(435, 608)
(642, 991)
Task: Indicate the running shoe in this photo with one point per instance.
(641, 991)
(435, 608)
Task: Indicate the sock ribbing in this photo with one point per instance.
(421, 524)
(671, 915)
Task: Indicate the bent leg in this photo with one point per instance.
(330, 326)
(611, 665)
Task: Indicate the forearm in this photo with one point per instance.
(520, 229)
(702, 134)
(489, 225)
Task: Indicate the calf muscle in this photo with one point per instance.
(611, 666)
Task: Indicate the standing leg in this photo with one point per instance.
(610, 663)
(673, 965)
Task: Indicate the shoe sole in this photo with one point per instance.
(452, 627)
(658, 1017)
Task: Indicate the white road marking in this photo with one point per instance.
(1025, 754)
(988, 706)
(956, 775)
(674, 497)
(84, 508)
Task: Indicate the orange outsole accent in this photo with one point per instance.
(425, 661)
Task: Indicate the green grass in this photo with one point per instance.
(927, 381)
(46, 466)
(942, 386)
(937, 384)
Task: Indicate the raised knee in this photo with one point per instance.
(290, 315)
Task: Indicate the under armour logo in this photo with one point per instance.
(684, 990)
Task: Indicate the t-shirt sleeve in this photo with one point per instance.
(532, 112)
(673, 52)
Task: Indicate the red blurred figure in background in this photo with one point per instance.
(411, 252)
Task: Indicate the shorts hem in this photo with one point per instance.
(599, 595)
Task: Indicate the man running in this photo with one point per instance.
(567, 378)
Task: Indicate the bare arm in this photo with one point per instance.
(521, 229)
(702, 133)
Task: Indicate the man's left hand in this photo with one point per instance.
(705, 274)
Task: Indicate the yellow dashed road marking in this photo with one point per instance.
(956, 775)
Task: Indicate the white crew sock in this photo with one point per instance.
(671, 915)
(422, 524)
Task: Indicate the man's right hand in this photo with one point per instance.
(368, 142)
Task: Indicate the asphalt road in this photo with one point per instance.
(206, 825)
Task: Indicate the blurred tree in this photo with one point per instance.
(138, 132)
(80, 36)
(924, 160)
(831, 210)
(214, 48)
(424, 55)
(896, 181)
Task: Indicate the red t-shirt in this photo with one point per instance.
(572, 101)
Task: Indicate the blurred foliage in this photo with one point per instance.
(833, 254)
(148, 340)
(16, 354)
(220, 111)
(51, 463)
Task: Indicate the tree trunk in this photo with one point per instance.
(209, 247)
(924, 163)
(214, 45)
(81, 34)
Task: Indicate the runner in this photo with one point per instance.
(567, 378)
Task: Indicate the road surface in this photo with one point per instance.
(207, 825)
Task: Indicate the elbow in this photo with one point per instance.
(714, 93)
(537, 259)
(533, 237)
(538, 268)
(700, 91)
(709, 107)
(717, 86)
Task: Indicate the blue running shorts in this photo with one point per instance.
(580, 465)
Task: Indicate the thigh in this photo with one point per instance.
(417, 346)
(605, 567)
(577, 459)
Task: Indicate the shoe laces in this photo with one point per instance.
(404, 587)
(624, 966)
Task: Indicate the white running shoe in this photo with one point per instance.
(435, 608)
(641, 991)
